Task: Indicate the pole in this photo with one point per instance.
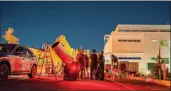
(159, 74)
(159, 64)
(164, 70)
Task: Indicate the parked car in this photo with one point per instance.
(16, 59)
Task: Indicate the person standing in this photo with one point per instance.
(114, 65)
(86, 64)
(115, 62)
(93, 64)
(80, 59)
(101, 61)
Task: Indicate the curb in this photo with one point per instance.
(160, 82)
(121, 84)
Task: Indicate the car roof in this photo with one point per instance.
(8, 44)
(11, 45)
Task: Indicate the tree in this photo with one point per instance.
(156, 70)
(10, 38)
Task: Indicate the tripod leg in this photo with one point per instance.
(59, 69)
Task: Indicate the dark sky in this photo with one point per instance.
(83, 23)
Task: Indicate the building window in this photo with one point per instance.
(150, 65)
(138, 40)
(128, 40)
(130, 58)
(163, 43)
(106, 37)
(162, 60)
(144, 31)
(169, 43)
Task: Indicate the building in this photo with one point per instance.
(139, 45)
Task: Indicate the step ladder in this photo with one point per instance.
(47, 60)
(61, 69)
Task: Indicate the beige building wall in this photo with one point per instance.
(147, 48)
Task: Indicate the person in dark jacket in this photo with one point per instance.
(115, 62)
(123, 67)
(93, 64)
(101, 61)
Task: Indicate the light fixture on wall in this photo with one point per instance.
(155, 40)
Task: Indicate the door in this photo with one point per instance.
(26, 60)
(133, 66)
(25, 63)
(126, 64)
(17, 59)
(22, 63)
(17, 63)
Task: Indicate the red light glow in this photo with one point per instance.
(73, 67)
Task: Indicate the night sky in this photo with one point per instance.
(83, 23)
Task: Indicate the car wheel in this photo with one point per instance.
(4, 71)
(33, 72)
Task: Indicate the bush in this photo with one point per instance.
(168, 76)
(155, 71)
(137, 75)
(142, 75)
(107, 75)
(150, 76)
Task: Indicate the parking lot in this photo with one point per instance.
(23, 83)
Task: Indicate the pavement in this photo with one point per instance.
(23, 83)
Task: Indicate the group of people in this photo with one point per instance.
(96, 61)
